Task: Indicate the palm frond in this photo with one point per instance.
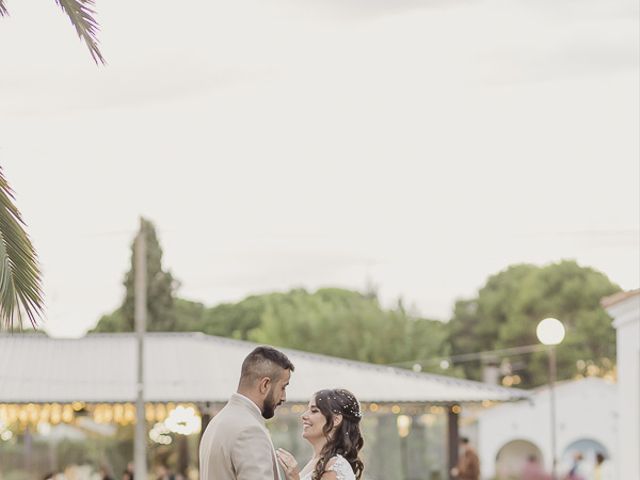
(81, 14)
(20, 278)
(3, 9)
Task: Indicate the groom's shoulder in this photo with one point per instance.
(235, 417)
(232, 426)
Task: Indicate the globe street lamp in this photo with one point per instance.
(550, 332)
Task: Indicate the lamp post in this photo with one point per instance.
(550, 332)
(140, 317)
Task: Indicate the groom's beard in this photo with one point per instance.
(269, 406)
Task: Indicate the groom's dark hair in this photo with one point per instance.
(264, 362)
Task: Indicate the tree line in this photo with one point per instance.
(354, 325)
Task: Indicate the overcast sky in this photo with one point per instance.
(422, 144)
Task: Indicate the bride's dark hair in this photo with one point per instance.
(346, 440)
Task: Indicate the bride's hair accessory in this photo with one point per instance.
(343, 402)
(352, 407)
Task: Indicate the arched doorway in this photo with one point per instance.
(583, 451)
(512, 457)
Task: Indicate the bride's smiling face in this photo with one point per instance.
(312, 421)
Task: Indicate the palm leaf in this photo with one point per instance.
(81, 14)
(20, 278)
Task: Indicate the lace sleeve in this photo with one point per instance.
(342, 468)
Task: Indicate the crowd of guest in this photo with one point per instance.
(86, 472)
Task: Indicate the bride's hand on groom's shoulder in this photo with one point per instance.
(288, 464)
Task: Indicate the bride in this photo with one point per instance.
(331, 425)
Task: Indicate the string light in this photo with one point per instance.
(149, 412)
(45, 413)
(183, 420)
(445, 362)
(129, 413)
(160, 434)
(428, 419)
(67, 414)
(404, 425)
(56, 413)
(161, 412)
(118, 414)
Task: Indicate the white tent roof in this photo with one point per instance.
(193, 367)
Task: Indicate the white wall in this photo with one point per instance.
(627, 322)
(585, 409)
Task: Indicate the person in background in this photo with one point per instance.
(468, 467)
(575, 473)
(533, 470)
(104, 473)
(603, 469)
(163, 473)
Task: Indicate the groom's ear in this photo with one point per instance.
(264, 385)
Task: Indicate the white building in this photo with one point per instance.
(193, 367)
(625, 309)
(92, 381)
(586, 421)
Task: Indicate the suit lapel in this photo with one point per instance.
(250, 407)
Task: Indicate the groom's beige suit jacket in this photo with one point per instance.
(236, 444)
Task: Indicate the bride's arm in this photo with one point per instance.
(338, 469)
(329, 473)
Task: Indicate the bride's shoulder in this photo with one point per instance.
(341, 467)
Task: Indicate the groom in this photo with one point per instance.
(236, 444)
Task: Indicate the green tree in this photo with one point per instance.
(508, 308)
(189, 315)
(331, 321)
(20, 277)
(236, 320)
(113, 322)
(161, 286)
(81, 14)
(475, 323)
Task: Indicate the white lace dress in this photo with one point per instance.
(340, 466)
